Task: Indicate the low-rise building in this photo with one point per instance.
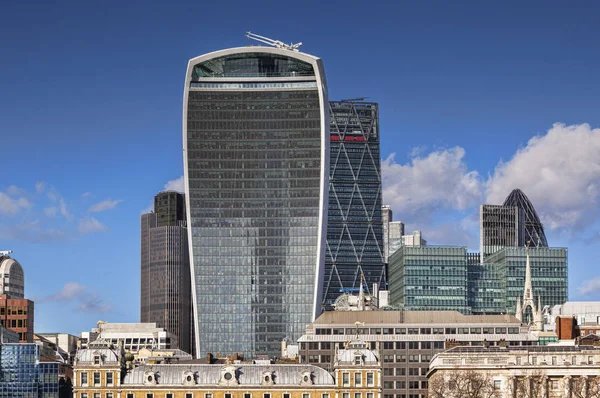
(554, 371)
(106, 371)
(133, 336)
(23, 374)
(407, 340)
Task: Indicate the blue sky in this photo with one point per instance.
(91, 97)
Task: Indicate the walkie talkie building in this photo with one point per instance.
(256, 147)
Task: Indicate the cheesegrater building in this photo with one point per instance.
(256, 147)
(354, 230)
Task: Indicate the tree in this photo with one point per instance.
(462, 384)
(585, 387)
(531, 385)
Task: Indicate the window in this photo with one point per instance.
(169, 395)
(96, 395)
(96, 378)
(400, 385)
(84, 378)
(497, 384)
(357, 359)
(227, 395)
(534, 360)
(129, 395)
(345, 379)
(84, 395)
(413, 345)
(400, 345)
(149, 395)
(400, 371)
(324, 395)
(357, 395)
(357, 379)
(370, 379)
(266, 395)
(248, 395)
(286, 395)
(207, 395)
(426, 345)
(388, 358)
(109, 395)
(305, 395)
(96, 359)
(370, 395)
(554, 384)
(574, 360)
(553, 360)
(346, 395)
(413, 358)
(413, 384)
(109, 378)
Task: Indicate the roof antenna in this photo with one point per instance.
(273, 43)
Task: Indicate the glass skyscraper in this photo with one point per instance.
(22, 375)
(354, 231)
(256, 147)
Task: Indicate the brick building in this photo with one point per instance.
(16, 314)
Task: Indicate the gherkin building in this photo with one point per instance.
(534, 230)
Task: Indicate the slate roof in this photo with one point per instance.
(247, 374)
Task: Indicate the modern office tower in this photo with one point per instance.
(407, 341)
(16, 312)
(354, 230)
(12, 282)
(429, 278)
(256, 164)
(500, 226)
(396, 231)
(548, 273)
(386, 217)
(534, 230)
(165, 271)
(487, 287)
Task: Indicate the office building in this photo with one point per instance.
(256, 164)
(12, 282)
(407, 341)
(549, 274)
(24, 375)
(354, 230)
(414, 239)
(165, 270)
(515, 223)
(104, 372)
(65, 344)
(133, 336)
(429, 278)
(386, 217)
(515, 372)
(396, 232)
(500, 226)
(16, 314)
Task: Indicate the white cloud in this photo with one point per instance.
(40, 186)
(15, 191)
(85, 300)
(440, 180)
(11, 206)
(31, 232)
(104, 205)
(590, 286)
(175, 185)
(51, 211)
(559, 172)
(90, 225)
(63, 209)
(86, 195)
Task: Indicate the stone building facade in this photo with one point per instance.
(108, 372)
(557, 371)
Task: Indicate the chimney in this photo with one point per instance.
(209, 357)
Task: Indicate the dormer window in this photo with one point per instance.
(96, 359)
(357, 360)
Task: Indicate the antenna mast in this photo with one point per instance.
(273, 43)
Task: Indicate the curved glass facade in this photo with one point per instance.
(254, 159)
(252, 65)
